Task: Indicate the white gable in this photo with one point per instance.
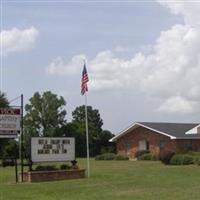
(195, 130)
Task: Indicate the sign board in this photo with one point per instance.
(52, 149)
(10, 119)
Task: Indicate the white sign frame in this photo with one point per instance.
(48, 149)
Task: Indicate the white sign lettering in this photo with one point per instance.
(52, 149)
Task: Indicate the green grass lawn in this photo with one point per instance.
(119, 180)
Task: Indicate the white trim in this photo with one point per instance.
(187, 138)
(123, 132)
(135, 125)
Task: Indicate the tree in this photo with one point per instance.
(95, 122)
(45, 115)
(3, 104)
(98, 139)
(11, 149)
(3, 100)
(103, 142)
(73, 130)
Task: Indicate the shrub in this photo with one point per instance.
(106, 156)
(8, 162)
(147, 156)
(196, 157)
(46, 168)
(74, 162)
(120, 157)
(197, 161)
(141, 152)
(182, 159)
(166, 157)
(111, 156)
(64, 167)
(194, 153)
(99, 157)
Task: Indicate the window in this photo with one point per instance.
(143, 145)
(128, 148)
(189, 145)
(162, 144)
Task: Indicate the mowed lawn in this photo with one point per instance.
(119, 180)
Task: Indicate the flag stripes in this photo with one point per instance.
(84, 81)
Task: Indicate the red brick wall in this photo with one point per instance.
(133, 137)
(185, 145)
(39, 176)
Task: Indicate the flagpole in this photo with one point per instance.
(84, 90)
(87, 138)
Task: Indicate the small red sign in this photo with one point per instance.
(9, 111)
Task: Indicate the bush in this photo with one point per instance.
(64, 167)
(196, 157)
(8, 162)
(166, 157)
(182, 159)
(46, 168)
(194, 153)
(106, 156)
(99, 157)
(197, 161)
(147, 156)
(120, 157)
(141, 152)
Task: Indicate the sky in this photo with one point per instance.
(142, 57)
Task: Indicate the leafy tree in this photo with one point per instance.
(45, 115)
(72, 130)
(11, 149)
(98, 139)
(3, 104)
(95, 122)
(103, 142)
(3, 100)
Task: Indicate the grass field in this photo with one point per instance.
(119, 180)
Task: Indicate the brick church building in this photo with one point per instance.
(158, 138)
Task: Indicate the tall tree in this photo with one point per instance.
(95, 122)
(98, 138)
(45, 115)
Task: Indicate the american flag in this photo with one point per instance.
(84, 81)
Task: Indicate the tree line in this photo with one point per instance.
(45, 115)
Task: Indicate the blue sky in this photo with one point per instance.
(129, 47)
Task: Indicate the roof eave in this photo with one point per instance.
(135, 125)
(115, 138)
(186, 138)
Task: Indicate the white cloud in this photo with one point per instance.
(59, 67)
(177, 105)
(187, 8)
(17, 40)
(171, 72)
